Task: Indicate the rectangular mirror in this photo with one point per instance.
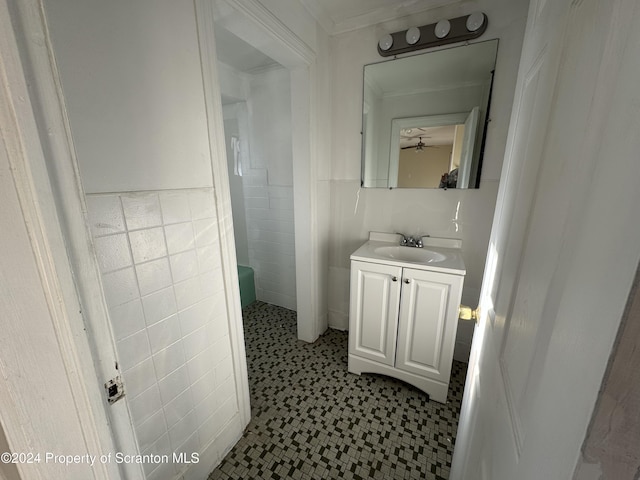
(424, 118)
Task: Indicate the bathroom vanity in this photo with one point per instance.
(404, 310)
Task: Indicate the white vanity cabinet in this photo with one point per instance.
(403, 323)
(373, 316)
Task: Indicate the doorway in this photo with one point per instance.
(251, 23)
(256, 104)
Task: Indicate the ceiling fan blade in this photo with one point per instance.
(422, 146)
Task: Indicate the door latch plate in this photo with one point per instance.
(114, 389)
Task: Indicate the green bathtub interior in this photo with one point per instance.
(247, 285)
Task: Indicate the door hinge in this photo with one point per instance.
(114, 389)
(467, 313)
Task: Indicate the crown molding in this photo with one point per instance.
(366, 19)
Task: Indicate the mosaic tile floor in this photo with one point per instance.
(312, 419)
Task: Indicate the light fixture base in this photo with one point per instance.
(429, 35)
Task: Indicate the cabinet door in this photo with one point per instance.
(373, 315)
(428, 323)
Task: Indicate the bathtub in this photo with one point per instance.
(247, 285)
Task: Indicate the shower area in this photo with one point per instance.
(256, 99)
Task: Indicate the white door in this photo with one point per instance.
(468, 147)
(375, 297)
(564, 246)
(427, 329)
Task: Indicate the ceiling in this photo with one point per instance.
(238, 54)
(442, 135)
(337, 16)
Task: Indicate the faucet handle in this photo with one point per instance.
(403, 239)
(419, 243)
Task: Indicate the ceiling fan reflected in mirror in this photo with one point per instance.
(419, 146)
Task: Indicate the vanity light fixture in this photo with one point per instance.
(457, 29)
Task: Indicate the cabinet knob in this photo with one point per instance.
(406, 280)
(394, 278)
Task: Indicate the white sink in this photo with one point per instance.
(438, 254)
(410, 254)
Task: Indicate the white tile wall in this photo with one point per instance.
(146, 404)
(184, 265)
(141, 210)
(179, 407)
(180, 237)
(118, 255)
(139, 378)
(175, 207)
(127, 319)
(149, 431)
(154, 276)
(164, 333)
(105, 215)
(120, 286)
(159, 305)
(270, 232)
(147, 244)
(203, 387)
(134, 349)
(160, 261)
(163, 471)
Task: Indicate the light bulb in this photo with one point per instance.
(413, 35)
(442, 29)
(385, 42)
(475, 21)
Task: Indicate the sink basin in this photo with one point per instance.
(438, 255)
(410, 254)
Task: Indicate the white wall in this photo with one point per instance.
(132, 80)
(423, 167)
(270, 117)
(120, 56)
(465, 214)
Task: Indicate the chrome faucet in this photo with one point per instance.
(408, 241)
